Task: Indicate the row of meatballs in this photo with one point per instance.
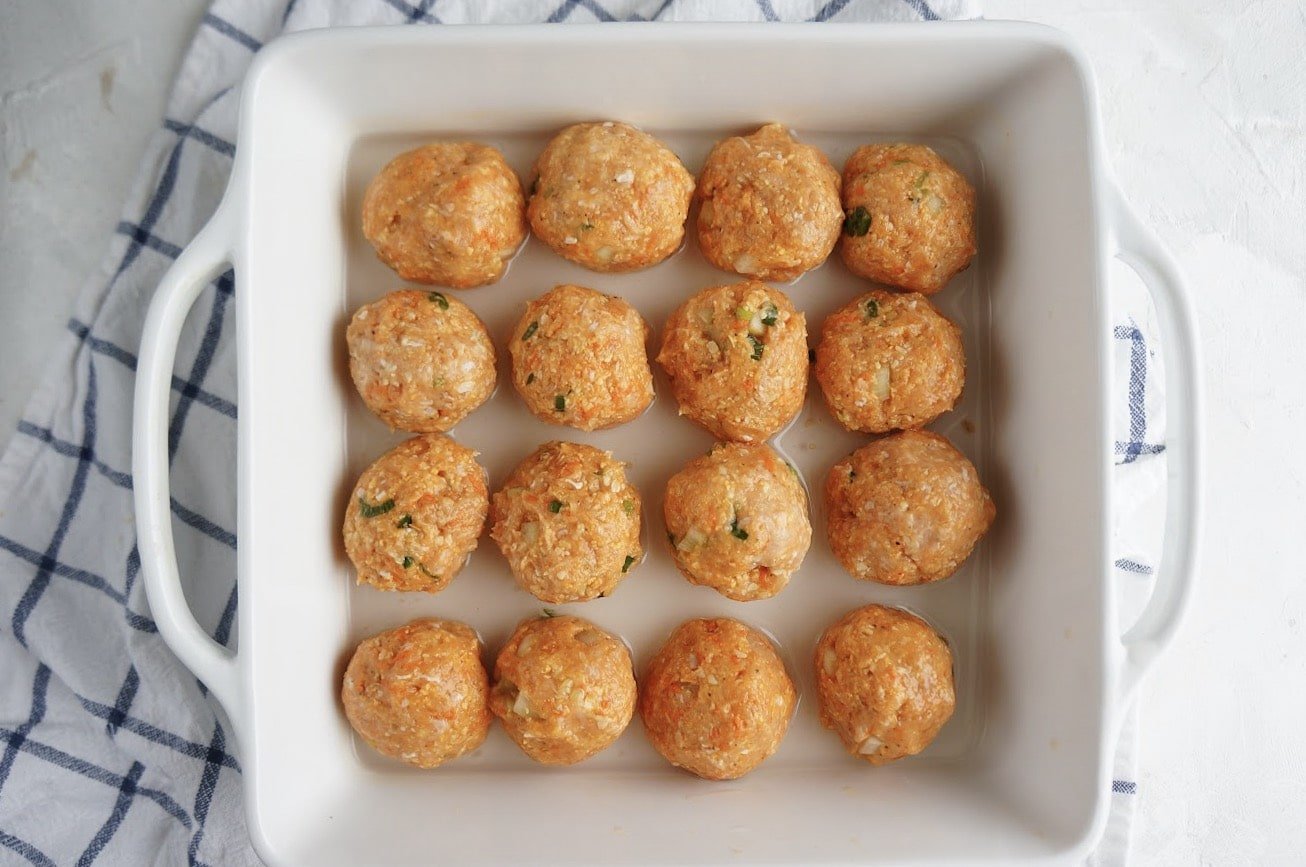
(904, 509)
(736, 356)
(611, 197)
(716, 699)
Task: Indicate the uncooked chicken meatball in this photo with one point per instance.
(884, 683)
(568, 522)
(906, 509)
(610, 197)
(889, 361)
(419, 692)
(909, 217)
(578, 359)
(416, 514)
(449, 213)
(421, 360)
(737, 360)
(716, 699)
(737, 521)
(564, 689)
(769, 205)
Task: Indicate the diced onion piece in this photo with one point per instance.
(604, 254)
(694, 538)
(870, 745)
(880, 385)
(589, 637)
(828, 660)
(521, 706)
(526, 645)
(530, 532)
(746, 264)
(755, 326)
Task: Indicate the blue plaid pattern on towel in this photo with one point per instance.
(111, 751)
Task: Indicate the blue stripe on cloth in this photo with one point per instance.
(1133, 566)
(414, 13)
(208, 783)
(204, 137)
(126, 694)
(81, 576)
(562, 12)
(231, 31)
(187, 515)
(27, 850)
(223, 633)
(45, 567)
(597, 11)
(126, 794)
(199, 367)
(923, 9)
(144, 238)
(829, 10)
(1137, 390)
(767, 10)
(40, 689)
(1124, 787)
(154, 734)
(128, 360)
(162, 192)
(92, 771)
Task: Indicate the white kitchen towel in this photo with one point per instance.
(112, 752)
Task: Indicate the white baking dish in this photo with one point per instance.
(1020, 772)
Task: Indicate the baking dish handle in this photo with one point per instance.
(202, 260)
(1142, 251)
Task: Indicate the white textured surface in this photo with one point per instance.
(1204, 108)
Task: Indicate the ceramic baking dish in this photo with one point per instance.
(1042, 674)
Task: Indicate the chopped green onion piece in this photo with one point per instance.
(872, 309)
(741, 535)
(769, 314)
(857, 223)
(560, 403)
(370, 510)
(586, 226)
(758, 347)
(438, 299)
(743, 313)
(530, 377)
(628, 506)
(405, 522)
(902, 162)
(920, 181)
(625, 567)
(530, 330)
(547, 613)
(408, 562)
(428, 573)
(555, 506)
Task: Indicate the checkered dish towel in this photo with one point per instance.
(112, 751)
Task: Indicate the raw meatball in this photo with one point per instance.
(419, 692)
(578, 359)
(884, 683)
(889, 361)
(421, 360)
(737, 359)
(563, 688)
(906, 509)
(610, 197)
(450, 213)
(737, 521)
(415, 515)
(568, 522)
(770, 205)
(910, 217)
(716, 699)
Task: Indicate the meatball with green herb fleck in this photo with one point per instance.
(884, 683)
(888, 361)
(737, 521)
(906, 509)
(610, 197)
(909, 217)
(448, 213)
(419, 692)
(416, 514)
(578, 359)
(564, 689)
(568, 522)
(737, 360)
(716, 699)
(769, 205)
(421, 360)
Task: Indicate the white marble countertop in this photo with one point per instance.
(1204, 107)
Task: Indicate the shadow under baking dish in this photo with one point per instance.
(654, 598)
